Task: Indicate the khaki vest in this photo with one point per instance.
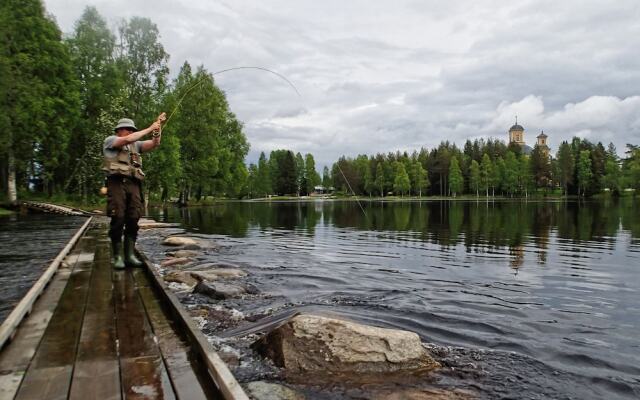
(125, 163)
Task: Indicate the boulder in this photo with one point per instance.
(179, 241)
(309, 343)
(215, 265)
(222, 291)
(180, 277)
(261, 390)
(175, 261)
(217, 274)
(184, 253)
(424, 394)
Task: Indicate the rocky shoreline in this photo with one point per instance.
(278, 350)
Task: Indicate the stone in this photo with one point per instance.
(179, 241)
(184, 253)
(310, 343)
(217, 274)
(219, 291)
(175, 261)
(261, 390)
(424, 394)
(180, 277)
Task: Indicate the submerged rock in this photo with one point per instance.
(222, 291)
(184, 253)
(424, 394)
(180, 241)
(261, 390)
(217, 274)
(180, 277)
(309, 343)
(169, 262)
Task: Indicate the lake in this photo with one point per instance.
(556, 282)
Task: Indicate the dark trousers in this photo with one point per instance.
(124, 206)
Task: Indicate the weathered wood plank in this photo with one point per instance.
(224, 379)
(16, 356)
(9, 326)
(49, 374)
(97, 371)
(189, 377)
(143, 372)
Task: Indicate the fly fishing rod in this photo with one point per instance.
(165, 120)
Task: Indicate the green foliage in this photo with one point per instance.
(475, 179)
(401, 183)
(566, 166)
(456, 182)
(486, 174)
(584, 171)
(379, 181)
(311, 175)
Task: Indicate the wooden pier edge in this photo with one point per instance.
(222, 376)
(25, 305)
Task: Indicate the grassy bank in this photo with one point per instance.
(4, 211)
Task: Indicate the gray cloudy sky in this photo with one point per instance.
(379, 75)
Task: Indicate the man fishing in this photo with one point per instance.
(123, 167)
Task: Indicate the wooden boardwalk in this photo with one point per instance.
(99, 333)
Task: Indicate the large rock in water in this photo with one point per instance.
(309, 343)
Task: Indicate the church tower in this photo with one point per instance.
(516, 134)
(542, 143)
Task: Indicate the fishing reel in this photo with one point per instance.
(161, 118)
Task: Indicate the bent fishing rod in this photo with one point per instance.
(164, 120)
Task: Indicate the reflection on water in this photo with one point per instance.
(557, 281)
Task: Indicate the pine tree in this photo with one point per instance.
(311, 175)
(565, 166)
(263, 187)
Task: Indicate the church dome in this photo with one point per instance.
(516, 127)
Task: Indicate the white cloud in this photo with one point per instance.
(380, 76)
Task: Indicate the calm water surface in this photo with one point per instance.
(555, 281)
(28, 243)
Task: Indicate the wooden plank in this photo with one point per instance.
(189, 377)
(49, 374)
(224, 379)
(9, 326)
(16, 356)
(143, 372)
(97, 371)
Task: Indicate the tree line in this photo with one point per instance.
(489, 168)
(61, 96)
(283, 173)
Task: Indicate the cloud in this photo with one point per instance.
(377, 77)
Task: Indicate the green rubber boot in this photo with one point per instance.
(130, 258)
(116, 255)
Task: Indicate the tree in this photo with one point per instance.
(456, 182)
(419, 178)
(263, 185)
(379, 182)
(525, 178)
(475, 177)
(91, 47)
(565, 165)
(584, 171)
(486, 172)
(301, 182)
(39, 97)
(510, 177)
(326, 178)
(540, 167)
(369, 181)
(401, 183)
(143, 63)
(311, 175)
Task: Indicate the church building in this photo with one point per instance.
(516, 135)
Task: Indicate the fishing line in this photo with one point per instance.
(284, 78)
(204, 78)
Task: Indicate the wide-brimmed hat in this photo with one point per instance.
(125, 123)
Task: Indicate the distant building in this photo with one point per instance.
(516, 135)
